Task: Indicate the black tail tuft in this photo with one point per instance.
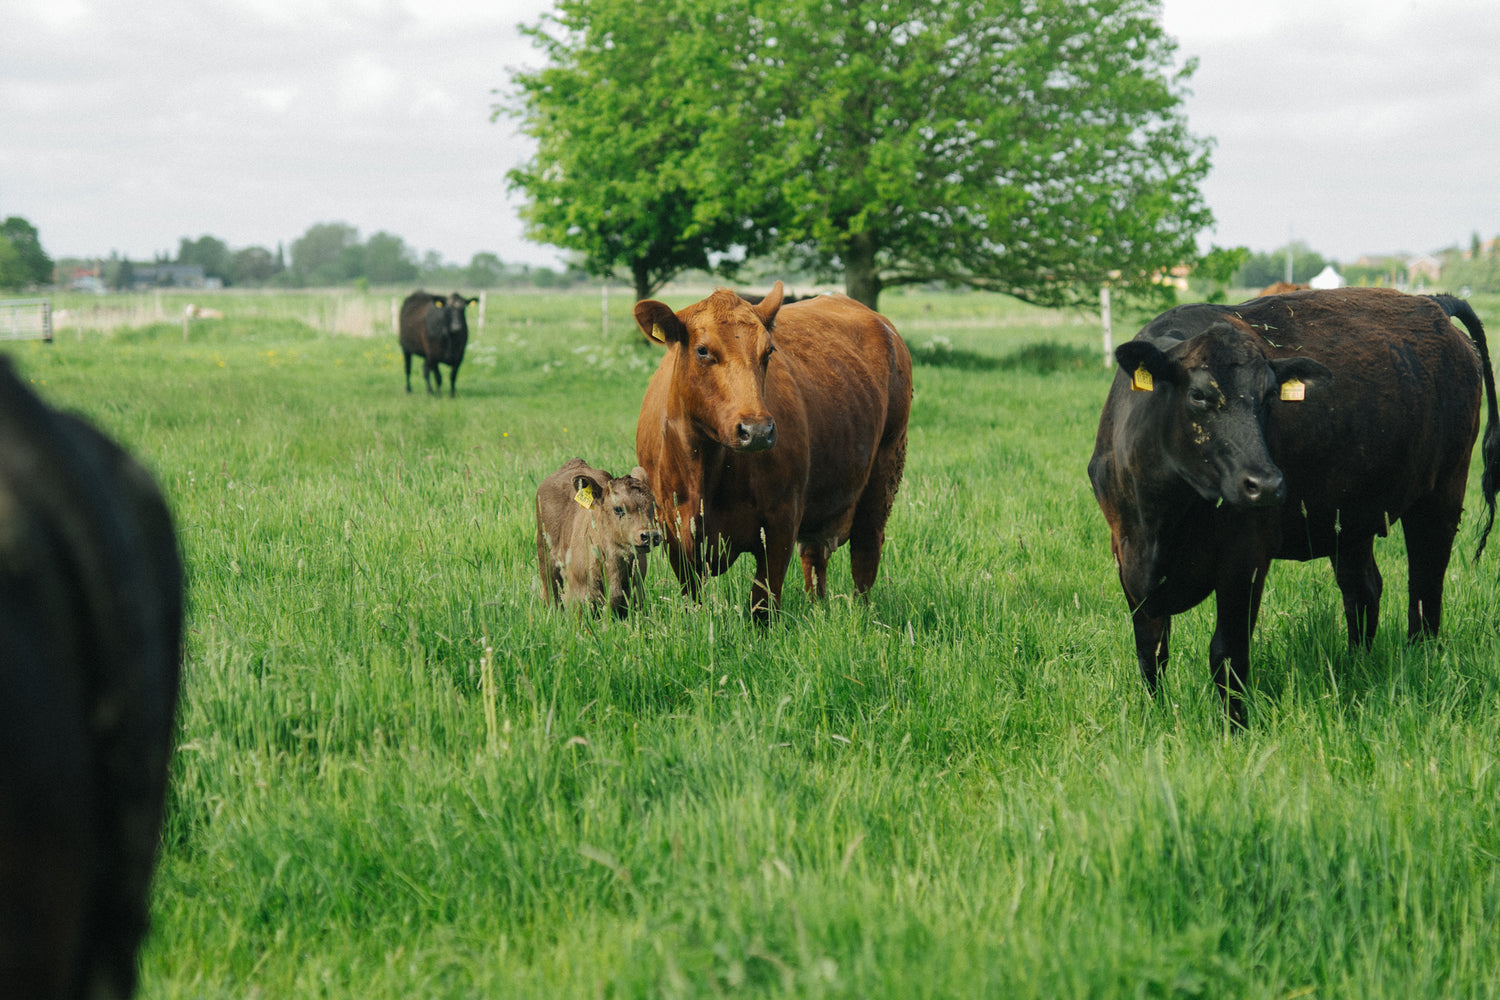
(1489, 448)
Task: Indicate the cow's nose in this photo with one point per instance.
(1264, 490)
(757, 436)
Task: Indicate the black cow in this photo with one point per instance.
(434, 328)
(90, 651)
(1289, 427)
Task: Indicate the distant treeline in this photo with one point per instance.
(1475, 268)
(328, 254)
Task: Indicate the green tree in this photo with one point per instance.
(622, 174)
(1034, 149)
(388, 260)
(35, 267)
(208, 252)
(12, 269)
(327, 254)
(251, 266)
(1262, 269)
(119, 272)
(485, 270)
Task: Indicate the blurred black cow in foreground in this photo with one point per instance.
(433, 328)
(90, 652)
(1295, 426)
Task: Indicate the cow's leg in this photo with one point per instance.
(867, 531)
(1359, 581)
(453, 380)
(815, 569)
(1152, 641)
(408, 370)
(619, 592)
(1237, 605)
(1430, 527)
(771, 562)
(686, 565)
(551, 581)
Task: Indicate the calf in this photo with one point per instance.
(90, 652)
(434, 328)
(1295, 426)
(593, 531)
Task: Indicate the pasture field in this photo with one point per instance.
(400, 774)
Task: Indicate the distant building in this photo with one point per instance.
(147, 276)
(1327, 278)
(1422, 269)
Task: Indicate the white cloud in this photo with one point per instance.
(1353, 124)
(365, 83)
(1360, 125)
(58, 16)
(274, 99)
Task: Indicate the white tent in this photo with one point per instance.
(1327, 278)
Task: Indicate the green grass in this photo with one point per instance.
(959, 790)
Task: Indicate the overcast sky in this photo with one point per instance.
(1357, 126)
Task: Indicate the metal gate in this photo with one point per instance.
(26, 319)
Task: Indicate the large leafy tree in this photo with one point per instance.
(208, 252)
(252, 266)
(327, 254)
(1033, 147)
(29, 263)
(13, 272)
(388, 260)
(621, 174)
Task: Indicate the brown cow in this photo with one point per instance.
(1281, 287)
(90, 651)
(593, 531)
(766, 427)
(1294, 426)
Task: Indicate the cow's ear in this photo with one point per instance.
(587, 489)
(1303, 370)
(639, 475)
(769, 306)
(1139, 355)
(659, 323)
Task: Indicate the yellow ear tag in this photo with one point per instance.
(585, 497)
(1141, 380)
(657, 334)
(1293, 389)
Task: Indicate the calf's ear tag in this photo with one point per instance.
(1141, 380)
(1294, 390)
(657, 334)
(585, 497)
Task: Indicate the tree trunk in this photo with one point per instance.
(641, 274)
(861, 281)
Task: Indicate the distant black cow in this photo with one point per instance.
(90, 640)
(433, 328)
(1289, 427)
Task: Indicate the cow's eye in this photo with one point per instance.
(619, 511)
(702, 353)
(1197, 397)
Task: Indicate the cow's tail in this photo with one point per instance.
(1489, 450)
